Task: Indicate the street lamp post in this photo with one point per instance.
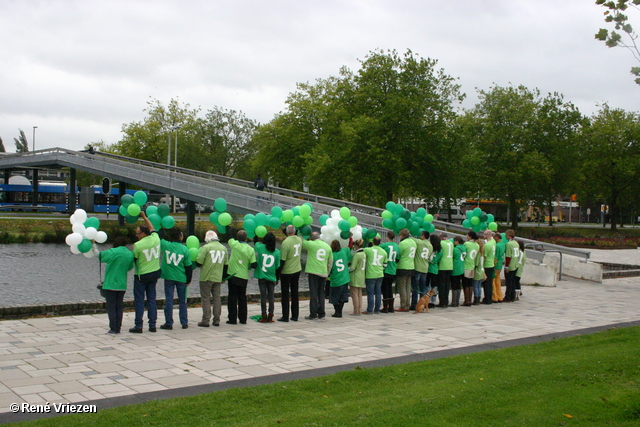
(175, 151)
(34, 137)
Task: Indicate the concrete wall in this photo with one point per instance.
(535, 273)
(575, 267)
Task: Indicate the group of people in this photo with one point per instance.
(451, 267)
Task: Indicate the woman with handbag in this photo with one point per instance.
(119, 260)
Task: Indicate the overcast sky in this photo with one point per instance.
(79, 70)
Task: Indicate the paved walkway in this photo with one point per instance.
(72, 359)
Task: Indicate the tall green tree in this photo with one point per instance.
(22, 145)
(626, 36)
(611, 158)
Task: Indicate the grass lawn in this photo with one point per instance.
(591, 380)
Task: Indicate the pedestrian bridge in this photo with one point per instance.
(200, 187)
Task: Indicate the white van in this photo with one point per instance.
(457, 216)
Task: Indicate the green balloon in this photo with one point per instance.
(390, 206)
(428, 218)
(371, 233)
(131, 219)
(126, 200)
(493, 226)
(306, 230)
(85, 246)
(163, 210)
(122, 210)
(466, 223)
(140, 198)
(224, 219)
(484, 217)
(490, 218)
(287, 215)
(345, 235)
(398, 209)
(323, 219)
(387, 223)
(421, 212)
(276, 211)
(430, 228)
(308, 220)
(401, 223)
(220, 205)
(304, 211)
(152, 210)
(274, 222)
(477, 212)
(386, 214)
(308, 204)
(193, 242)
(406, 214)
(297, 221)
(353, 221)
(193, 254)
(133, 209)
(250, 225)
(168, 222)
(156, 221)
(213, 218)
(344, 225)
(345, 212)
(223, 230)
(261, 218)
(469, 214)
(419, 221)
(92, 222)
(475, 221)
(261, 231)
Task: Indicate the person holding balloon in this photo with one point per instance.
(405, 267)
(119, 260)
(176, 271)
(146, 252)
(290, 252)
(213, 260)
(243, 259)
(268, 274)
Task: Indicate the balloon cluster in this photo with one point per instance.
(130, 206)
(299, 216)
(85, 231)
(220, 217)
(159, 216)
(193, 244)
(341, 225)
(396, 217)
(479, 221)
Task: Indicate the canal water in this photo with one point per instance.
(38, 273)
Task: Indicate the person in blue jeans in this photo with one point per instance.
(376, 261)
(176, 272)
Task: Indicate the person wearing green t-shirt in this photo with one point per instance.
(213, 260)
(357, 277)
(376, 260)
(393, 251)
(522, 260)
(176, 272)
(419, 279)
(511, 255)
(489, 266)
(339, 277)
(469, 266)
(405, 268)
(243, 259)
(319, 262)
(267, 273)
(433, 276)
(478, 274)
(146, 252)
(501, 246)
(457, 274)
(445, 268)
(290, 252)
(119, 260)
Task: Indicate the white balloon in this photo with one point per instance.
(75, 250)
(80, 215)
(101, 237)
(90, 233)
(357, 235)
(335, 213)
(72, 219)
(79, 228)
(73, 239)
(89, 254)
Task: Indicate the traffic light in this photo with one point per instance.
(106, 185)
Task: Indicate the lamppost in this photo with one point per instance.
(175, 152)
(34, 137)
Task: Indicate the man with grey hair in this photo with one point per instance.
(290, 252)
(319, 261)
(213, 259)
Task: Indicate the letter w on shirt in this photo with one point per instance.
(152, 253)
(217, 257)
(173, 258)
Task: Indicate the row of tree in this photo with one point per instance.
(395, 129)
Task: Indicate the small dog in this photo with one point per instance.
(423, 303)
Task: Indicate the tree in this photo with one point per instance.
(22, 145)
(611, 158)
(614, 14)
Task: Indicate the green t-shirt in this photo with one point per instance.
(376, 259)
(434, 262)
(146, 251)
(319, 258)
(446, 262)
(501, 247)
(290, 252)
(393, 251)
(242, 256)
(459, 253)
(175, 257)
(513, 252)
(119, 261)
(479, 270)
(408, 249)
(357, 269)
(212, 257)
(424, 249)
(340, 269)
(268, 263)
(472, 253)
(489, 253)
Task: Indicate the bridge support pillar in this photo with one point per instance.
(73, 188)
(191, 218)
